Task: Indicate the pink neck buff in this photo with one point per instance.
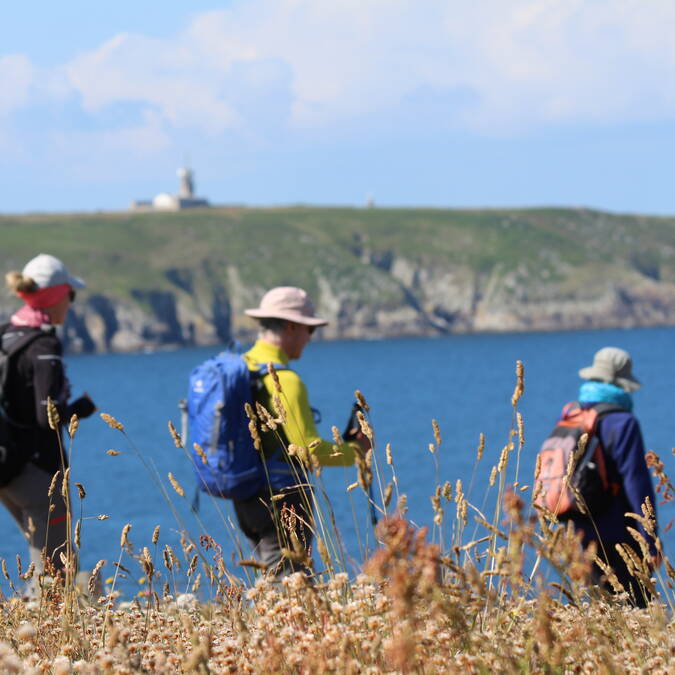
(31, 313)
(31, 317)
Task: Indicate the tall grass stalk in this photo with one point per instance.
(416, 606)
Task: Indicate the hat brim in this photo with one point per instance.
(595, 373)
(295, 317)
(76, 282)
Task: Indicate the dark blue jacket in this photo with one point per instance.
(621, 438)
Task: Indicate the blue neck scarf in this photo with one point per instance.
(601, 392)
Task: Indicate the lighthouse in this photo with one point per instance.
(185, 199)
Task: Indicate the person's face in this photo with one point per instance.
(59, 311)
(296, 335)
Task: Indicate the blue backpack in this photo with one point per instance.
(219, 389)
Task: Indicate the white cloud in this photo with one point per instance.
(16, 77)
(144, 138)
(496, 65)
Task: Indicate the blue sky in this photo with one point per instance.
(414, 102)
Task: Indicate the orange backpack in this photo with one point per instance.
(588, 475)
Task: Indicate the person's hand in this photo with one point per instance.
(363, 441)
(83, 406)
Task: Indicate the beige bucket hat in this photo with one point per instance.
(289, 303)
(614, 366)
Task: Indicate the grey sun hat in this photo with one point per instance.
(289, 303)
(614, 366)
(46, 271)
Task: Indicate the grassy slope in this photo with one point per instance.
(118, 252)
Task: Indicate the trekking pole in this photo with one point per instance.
(348, 435)
(182, 406)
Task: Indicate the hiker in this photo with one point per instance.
(34, 374)
(607, 395)
(287, 320)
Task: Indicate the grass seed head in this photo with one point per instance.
(521, 430)
(176, 485)
(125, 534)
(200, 453)
(52, 485)
(363, 423)
(437, 432)
(279, 409)
(74, 424)
(387, 494)
(178, 441)
(337, 437)
(275, 377)
(360, 399)
(520, 384)
(112, 422)
(481, 447)
(65, 484)
(52, 414)
(93, 579)
(493, 476)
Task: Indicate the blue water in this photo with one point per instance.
(464, 382)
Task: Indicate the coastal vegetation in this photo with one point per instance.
(170, 279)
(507, 591)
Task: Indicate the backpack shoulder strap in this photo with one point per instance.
(587, 418)
(604, 408)
(13, 342)
(569, 408)
(264, 370)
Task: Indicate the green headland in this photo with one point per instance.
(166, 279)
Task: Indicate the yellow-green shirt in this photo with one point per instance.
(299, 427)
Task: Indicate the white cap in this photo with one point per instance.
(46, 271)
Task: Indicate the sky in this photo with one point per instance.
(442, 103)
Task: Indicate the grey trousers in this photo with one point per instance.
(26, 499)
(260, 520)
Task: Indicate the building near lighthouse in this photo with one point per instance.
(185, 199)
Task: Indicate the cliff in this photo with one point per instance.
(161, 280)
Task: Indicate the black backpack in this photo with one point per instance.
(12, 458)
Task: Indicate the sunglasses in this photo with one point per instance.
(72, 294)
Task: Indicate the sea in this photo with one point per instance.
(464, 382)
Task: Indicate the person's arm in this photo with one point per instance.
(628, 451)
(48, 378)
(50, 381)
(300, 428)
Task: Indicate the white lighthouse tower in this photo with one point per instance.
(185, 199)
(187, 184)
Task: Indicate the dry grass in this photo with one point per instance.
(426, 602)
(396, 617)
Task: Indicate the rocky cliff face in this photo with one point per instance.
(185, 279)
(403, 298)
